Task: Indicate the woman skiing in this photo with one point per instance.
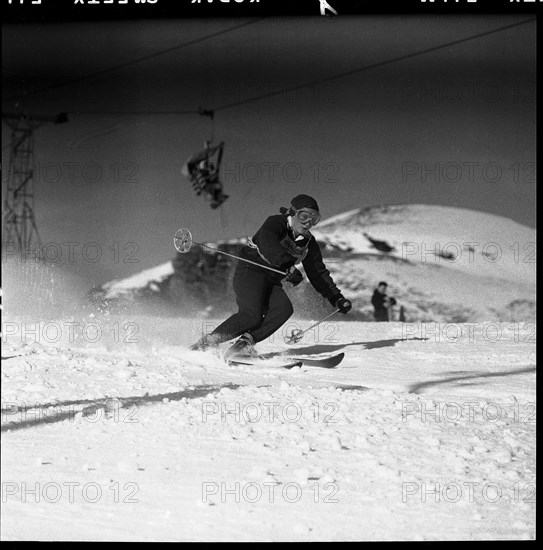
(283, 241)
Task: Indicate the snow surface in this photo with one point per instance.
(159, 443)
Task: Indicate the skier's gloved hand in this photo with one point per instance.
(294, 276)
(343, 305)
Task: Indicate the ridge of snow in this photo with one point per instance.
(339, 217)
(138, 281)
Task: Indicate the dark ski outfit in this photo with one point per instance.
(263, 304)
(380, 309)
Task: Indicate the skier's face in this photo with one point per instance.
(304, 219)
(382, 289)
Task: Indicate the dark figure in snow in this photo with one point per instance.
(283, 241)
(382, 246)
(204, 175)
(381, 302)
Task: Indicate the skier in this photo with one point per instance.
(281, 242)
(381, 302)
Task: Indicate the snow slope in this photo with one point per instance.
(134, 437)
(477, 243)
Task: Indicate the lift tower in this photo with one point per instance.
(20, 232)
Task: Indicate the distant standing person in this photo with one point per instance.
(380, 302)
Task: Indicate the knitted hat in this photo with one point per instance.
(304, 201)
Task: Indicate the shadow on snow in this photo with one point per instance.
(417, 388)
(324, 348)
(48, 413)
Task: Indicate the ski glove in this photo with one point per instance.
(294, 276)
(344, 305)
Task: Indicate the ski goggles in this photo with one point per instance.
(308, 216)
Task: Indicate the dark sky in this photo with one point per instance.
(366, 138)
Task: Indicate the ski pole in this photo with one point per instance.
(297, 334)
(183, 241)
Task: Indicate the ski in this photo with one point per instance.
(323, 363)
(260, 362)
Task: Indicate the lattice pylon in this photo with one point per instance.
(20, 232)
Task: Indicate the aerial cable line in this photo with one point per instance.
(369, 67)
(211, 112)
(132, 62)
(135, 113)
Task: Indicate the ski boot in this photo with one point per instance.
(243, 347)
